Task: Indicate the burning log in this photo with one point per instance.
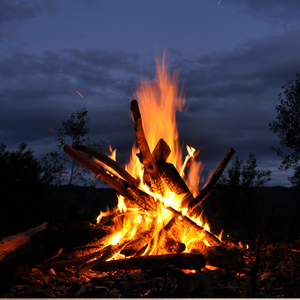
(142, 199)
(208, 188)
(138, 243)
(106, 253)
(189, 223)
(174, 181)
(163, 233)
(161, 151)
(171, 245)
(183, 260)
(160, 154)
(145, 156)
(109, 162)
(117, 184)
(158, 238)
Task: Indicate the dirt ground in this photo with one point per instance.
(278, 276)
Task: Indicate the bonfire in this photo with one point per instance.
(159, 204)
(159, 219)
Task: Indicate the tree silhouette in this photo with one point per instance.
(76, 129)
(287, 126)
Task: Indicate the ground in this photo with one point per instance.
(278, 276)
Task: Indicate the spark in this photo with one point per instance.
(51, 130)
(219, 1)
(79, 93)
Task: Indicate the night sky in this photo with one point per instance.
(233, 57)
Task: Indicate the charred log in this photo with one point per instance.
(174, 181)
(105, 254)
(142, 199)
(182, 260)
(109, 162)
(11, 243)
(161, 152)
(173, 246)
(145, 156)
(208, 188)
(138, 243)
(189, 223)
(100, 172)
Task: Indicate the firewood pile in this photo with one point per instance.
(158, 174)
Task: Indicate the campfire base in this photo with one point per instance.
(278, 273)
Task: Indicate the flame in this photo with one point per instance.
(158, 102)
(113, 153)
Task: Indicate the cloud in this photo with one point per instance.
(38, 92)
(254, 66)
(231, 96)
(271, 10)
(14, 12)
(11, 10)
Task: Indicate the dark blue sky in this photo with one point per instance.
(232, 57)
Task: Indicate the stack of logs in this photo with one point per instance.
(157, 173)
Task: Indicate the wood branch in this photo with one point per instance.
(100, 172)
(216, 258)
(161, 152)
(183, 260)
(174, 181)
(11, 243)
(173, 246)
(190, 160)
(189, 223)
(66, 263)
(142, 199)
(145, 156)
(160, 236)
(109, 162)
(140, 240)
(208, 188)
(108, 253)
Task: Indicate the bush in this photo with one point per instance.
(24, 186)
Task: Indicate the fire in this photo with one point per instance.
(158, 102)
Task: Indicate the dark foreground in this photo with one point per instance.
(278, 276)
